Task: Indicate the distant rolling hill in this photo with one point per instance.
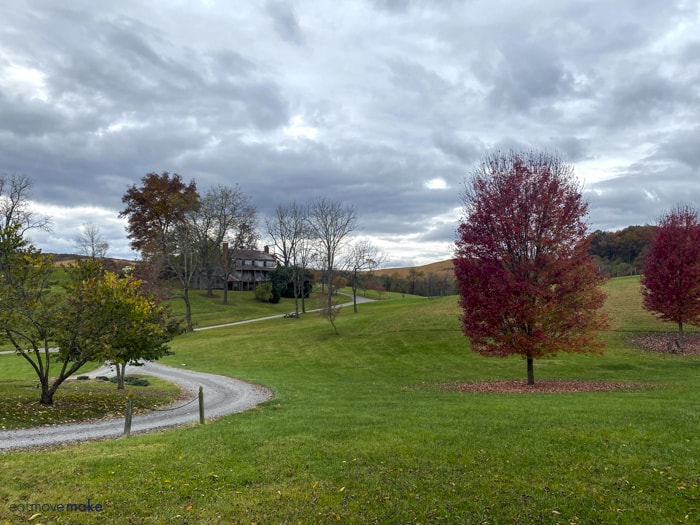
(434, 268)
(63, 259)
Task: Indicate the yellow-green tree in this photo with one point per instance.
(117, 319)
(98, 316)
(33, 313)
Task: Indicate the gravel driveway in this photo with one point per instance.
(222, 396)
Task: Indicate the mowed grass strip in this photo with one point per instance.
(361, 430)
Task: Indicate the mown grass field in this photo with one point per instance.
(362, 429)
(209, 311)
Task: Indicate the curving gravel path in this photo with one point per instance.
(222, 396)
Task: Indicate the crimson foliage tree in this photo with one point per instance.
(671, 280)
(527, 284)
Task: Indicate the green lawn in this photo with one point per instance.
(361, 430)
(210, 311)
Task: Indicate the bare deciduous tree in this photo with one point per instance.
(286, 230)
(225, 215)
(331, 312)
(289, 232)
(330, 222)
(15, 208)
(90, 241)
(363, 257)
(246, 237)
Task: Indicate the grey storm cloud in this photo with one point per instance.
(467, 151)
(384, 104)
(285, 22)
(682, 146)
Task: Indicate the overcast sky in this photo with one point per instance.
(383, 104)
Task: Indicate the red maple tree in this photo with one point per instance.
(671, 279)
(527, 283)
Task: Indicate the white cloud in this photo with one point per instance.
(21, 81)
(298, 129)
(66, 226)
(437, 183)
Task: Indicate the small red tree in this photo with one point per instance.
(671, 280)
(527, 284)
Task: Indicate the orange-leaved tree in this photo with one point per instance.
(527, 283)
(160, 226)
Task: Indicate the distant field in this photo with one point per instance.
(436, 268)
(364, 427)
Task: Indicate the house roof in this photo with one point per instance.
(255, 255)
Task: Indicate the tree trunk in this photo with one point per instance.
(530, 371)
(302, 289)
(297, 291)
(354, 292)
(49, 389)
(210, 282)
(188, 307)
(46, 392)
(329, 282)
(121, 371)
(680, 344)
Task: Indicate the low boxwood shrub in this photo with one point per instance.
(133, 381)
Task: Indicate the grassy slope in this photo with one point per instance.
(439, 268)
(359, 430)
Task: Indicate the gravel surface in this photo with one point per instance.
(222, 396)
